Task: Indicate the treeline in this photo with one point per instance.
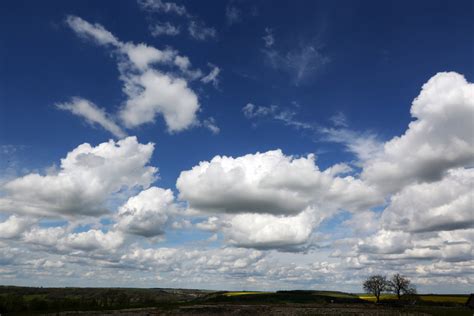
(19, 299)
(397, 284)
(20, 303)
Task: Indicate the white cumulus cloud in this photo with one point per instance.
(267, 231)
(85, 180)
(441, 137)
(150, 92)
(443, 205)
(14, 226)
(147, 213)
(270, 183)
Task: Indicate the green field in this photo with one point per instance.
(316, 293)
(456, 299)
(244, 293)
(371, 298)
(335, 294)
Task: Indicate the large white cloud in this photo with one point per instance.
(85, 180)
(271, 183)
(61, 240)
(14, 226)
(269, 200)
(441, 137)
(386, 241)
(400, 247)
(427, 175)
(266, 231)
(443, 205)
(147, 213)
(93, 239)
(150, 92)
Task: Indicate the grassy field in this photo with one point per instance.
(335, 294)
(316, 293)
(244, 293)
(456, 299)
(371, 298)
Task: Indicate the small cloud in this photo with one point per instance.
(199, 31)
(268, 38)
(212, 77)
(210, 124)
(286, 116)
(253, 111)
(232, 14)
(162, 7)
(300, 63)
(164, 29)
(339, 119)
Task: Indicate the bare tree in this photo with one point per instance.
(376, 284)
(400, 284)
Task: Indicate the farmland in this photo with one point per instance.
(435, 298)
(130, 301)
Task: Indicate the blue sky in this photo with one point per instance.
(311, 103)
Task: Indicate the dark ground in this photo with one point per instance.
(129, 301)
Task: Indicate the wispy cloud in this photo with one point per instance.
(268, 38)
(212, 77)
(197, 28)
(162, 7)
(300, 63)
(364, 145)
(339, 119)
(165, 28)
(200, 31)
(210, 124)
(233, 14)
(92, 114)
(301, 60)
(287, 116)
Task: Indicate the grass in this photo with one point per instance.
(335, 294)
(371, 298)
(30, 297)
(456, 299)
(321, 293)
(244, 293)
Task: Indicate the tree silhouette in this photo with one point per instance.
(376, 284)
(399, 285)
